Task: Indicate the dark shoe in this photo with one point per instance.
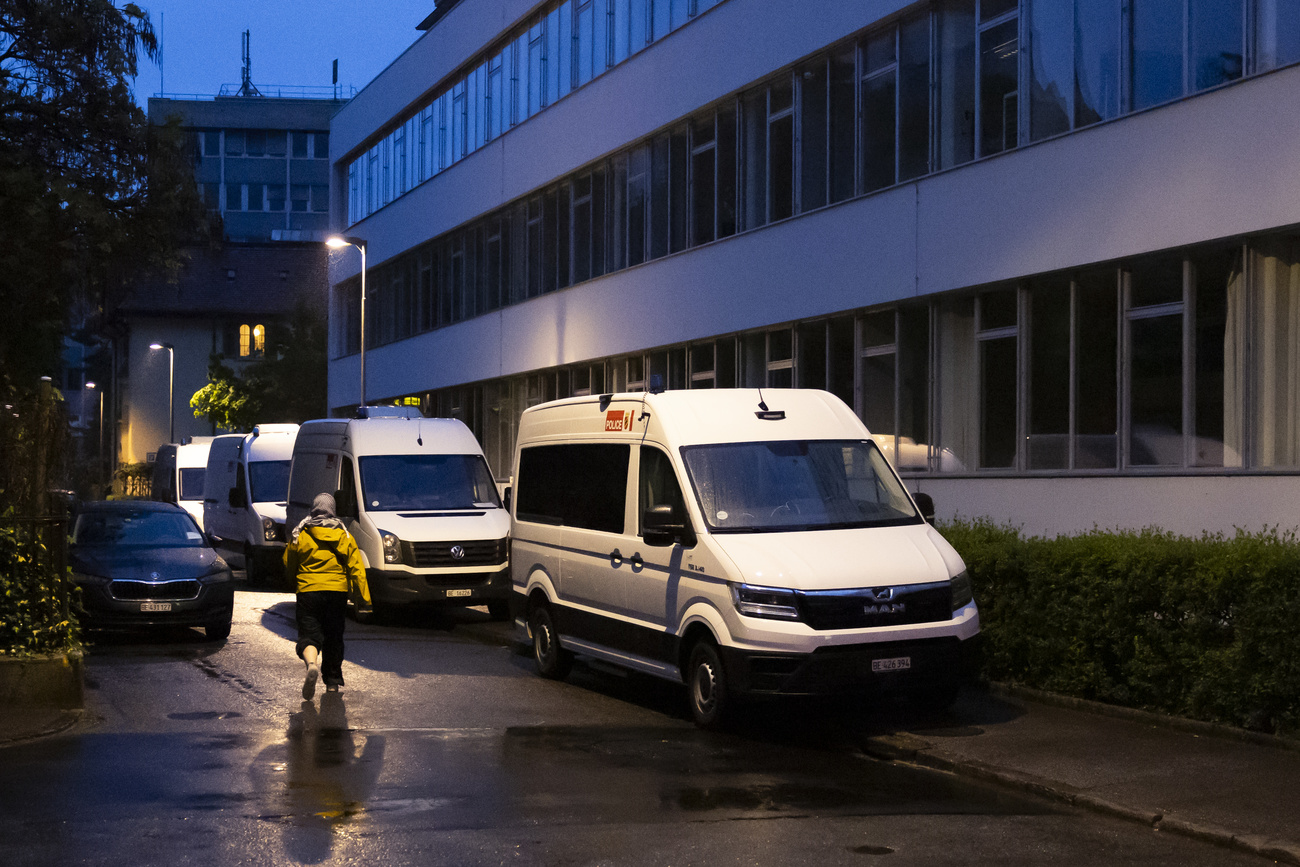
(331, 687)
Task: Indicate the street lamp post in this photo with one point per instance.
(100, 448)
(338, 242)
(171, 387)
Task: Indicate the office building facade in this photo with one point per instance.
(1046, 249)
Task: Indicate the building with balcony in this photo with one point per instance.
(1047, 249)
(261, 163)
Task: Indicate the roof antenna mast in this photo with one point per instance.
(246, 86)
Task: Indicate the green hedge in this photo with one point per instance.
(1204, 628)
(35, 601)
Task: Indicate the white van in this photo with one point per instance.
(244, 496)
(419, 498)
(178, 475)
(744, 541)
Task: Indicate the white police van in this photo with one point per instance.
(743, 541)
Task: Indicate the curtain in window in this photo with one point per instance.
(1265, 364)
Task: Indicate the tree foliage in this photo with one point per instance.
(91, 196)
(286, 385)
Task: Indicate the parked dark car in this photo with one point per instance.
(146, 564)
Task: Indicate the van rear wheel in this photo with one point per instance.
(706, 686)
(552, 661)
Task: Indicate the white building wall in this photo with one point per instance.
(1149, 182)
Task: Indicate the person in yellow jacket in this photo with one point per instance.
(323, 558)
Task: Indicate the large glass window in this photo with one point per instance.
(1049, 375)
(914, 98)
(1156, 51)
(955, 82)
(1217, 53)
(1154, 315)
(1277, 33)
(879, 109)
(1096, 61)
(997, 339)
(1051, 66)
(1096, 402)
(999, 86)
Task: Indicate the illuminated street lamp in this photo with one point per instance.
(171, 387)
(338, 242)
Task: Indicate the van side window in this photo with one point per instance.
(579, 485)
(659, 485)
(347, 504)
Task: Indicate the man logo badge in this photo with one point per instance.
(457, 552)
(883, 595)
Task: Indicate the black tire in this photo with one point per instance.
(217, 630)
(706, 686)
(499, 609)
(252, 572)
(553, 661)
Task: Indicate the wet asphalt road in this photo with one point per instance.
(445, 748)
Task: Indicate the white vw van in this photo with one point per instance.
(419, 498)
(244, 494)
(744, 541)
(178, 475)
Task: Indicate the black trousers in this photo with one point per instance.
(321, 615)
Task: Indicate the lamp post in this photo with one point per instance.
(171, 387)
(338, 242)
(100, 447)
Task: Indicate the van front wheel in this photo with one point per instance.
(706, 684)
(553, 661)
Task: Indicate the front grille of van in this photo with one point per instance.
(143, 590)
(862, 609)
(438, 555)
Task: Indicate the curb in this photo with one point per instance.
(47, 681)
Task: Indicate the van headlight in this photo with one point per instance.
(392, 547)
(271, 531)
(772, 602)
(962, 594)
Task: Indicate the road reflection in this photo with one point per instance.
(329, 776)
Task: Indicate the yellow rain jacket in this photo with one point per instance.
(318, 557)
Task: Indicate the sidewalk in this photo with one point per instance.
(1214, 784)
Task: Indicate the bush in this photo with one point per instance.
(1204, 628)
(35, 601)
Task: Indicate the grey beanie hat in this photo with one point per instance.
(324, 505)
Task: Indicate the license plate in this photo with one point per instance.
(897, 663)
(451, 593)
(155, 606)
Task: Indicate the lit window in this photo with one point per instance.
(244, 333)
(259, 339)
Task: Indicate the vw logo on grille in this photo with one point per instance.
(154, 575)
(457, 552)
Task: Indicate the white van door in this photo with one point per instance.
(655, 577)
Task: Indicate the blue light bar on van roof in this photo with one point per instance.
(388, 412)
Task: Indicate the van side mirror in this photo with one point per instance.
(505, 497)
(237, 499)
(925, 503)
(660, 528)
(346, 505)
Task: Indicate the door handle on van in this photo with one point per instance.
(615, 558)
(637, 563)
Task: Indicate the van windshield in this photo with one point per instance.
(269, 481)
(796, 485)
(398, 483)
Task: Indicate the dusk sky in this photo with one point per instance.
(293, 42)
